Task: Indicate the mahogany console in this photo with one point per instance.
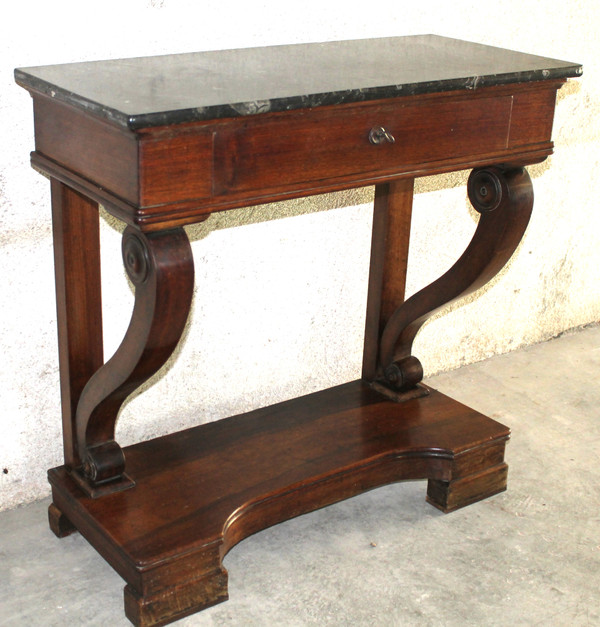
(162, 142)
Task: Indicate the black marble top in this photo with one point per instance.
(171, 89)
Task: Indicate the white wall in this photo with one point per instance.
(253, 341)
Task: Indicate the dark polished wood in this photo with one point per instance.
(161, 267)
(78, 301)
(505, 201)
(173, 529)
(159, 178)
(392, 213)
(165, 512)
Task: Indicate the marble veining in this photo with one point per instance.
(171, 89)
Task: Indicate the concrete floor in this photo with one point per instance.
(530, 556)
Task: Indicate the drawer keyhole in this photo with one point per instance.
(379, 135)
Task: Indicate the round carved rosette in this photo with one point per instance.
(135, 256)
(487, 189)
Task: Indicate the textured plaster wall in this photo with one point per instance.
(279, 306)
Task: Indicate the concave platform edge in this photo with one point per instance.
(199, 495)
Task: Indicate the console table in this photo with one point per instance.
(162, 142)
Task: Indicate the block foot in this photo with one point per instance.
(452, 495)
(60, 525)
(171, 604)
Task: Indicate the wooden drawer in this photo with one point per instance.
(161, 176)
(282, 150)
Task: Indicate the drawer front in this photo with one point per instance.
(282, 150)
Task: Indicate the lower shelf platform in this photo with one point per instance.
(201, 491)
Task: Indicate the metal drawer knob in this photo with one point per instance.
(378, 135)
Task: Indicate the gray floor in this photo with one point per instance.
(530, 556)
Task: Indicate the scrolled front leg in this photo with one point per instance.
(160, 265)
(504, 198)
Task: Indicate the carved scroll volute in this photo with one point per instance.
(504, 198)
(160, 265)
